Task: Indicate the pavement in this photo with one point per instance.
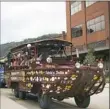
(8, 101)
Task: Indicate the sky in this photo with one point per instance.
(21, 20)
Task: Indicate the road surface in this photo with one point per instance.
(8, 101)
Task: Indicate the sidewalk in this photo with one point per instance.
(7, 103)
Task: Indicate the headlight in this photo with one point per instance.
(49, 60)
(100, 65)
(77, 65)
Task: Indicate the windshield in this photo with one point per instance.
(53, 51)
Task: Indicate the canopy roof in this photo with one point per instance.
(44, 43)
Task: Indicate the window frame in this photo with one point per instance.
(79, 30)
(76, 6)
(96, 22)
(92, 2)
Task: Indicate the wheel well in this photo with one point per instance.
(14, 85)
(36, 88)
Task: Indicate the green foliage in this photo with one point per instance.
(90, 58)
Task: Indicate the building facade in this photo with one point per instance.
(88, 24)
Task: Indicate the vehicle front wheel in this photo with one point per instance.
(82, 102)
(44, 101)
(22, 95)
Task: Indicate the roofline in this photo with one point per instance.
(38, 41)
(53, 39)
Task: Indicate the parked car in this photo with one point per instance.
(2, 75)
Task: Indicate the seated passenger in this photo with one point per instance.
(14, 61)
(18, 58)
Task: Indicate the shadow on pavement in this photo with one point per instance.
(31, 103)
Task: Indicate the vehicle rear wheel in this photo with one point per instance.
(60, 98)
(22, 95)
(82, 102)
(44, 101)
(16, 92)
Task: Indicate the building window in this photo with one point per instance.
(75, 7)
(76, 31)
(88, 3)
(96, 24)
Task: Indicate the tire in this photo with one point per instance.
(22, 95)
(16, 93)
(60, 98)
(44, 101)
(82, 102)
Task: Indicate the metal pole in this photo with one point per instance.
(109, 33)
(70, 19)
(77, 53)
(70, 26)
(85, 22)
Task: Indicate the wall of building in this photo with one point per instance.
(93, 11)
(87, 13)
(99, 39)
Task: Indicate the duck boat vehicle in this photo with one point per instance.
(48, 70)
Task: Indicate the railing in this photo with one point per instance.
(100, 45)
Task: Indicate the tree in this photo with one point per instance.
(89, 58)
